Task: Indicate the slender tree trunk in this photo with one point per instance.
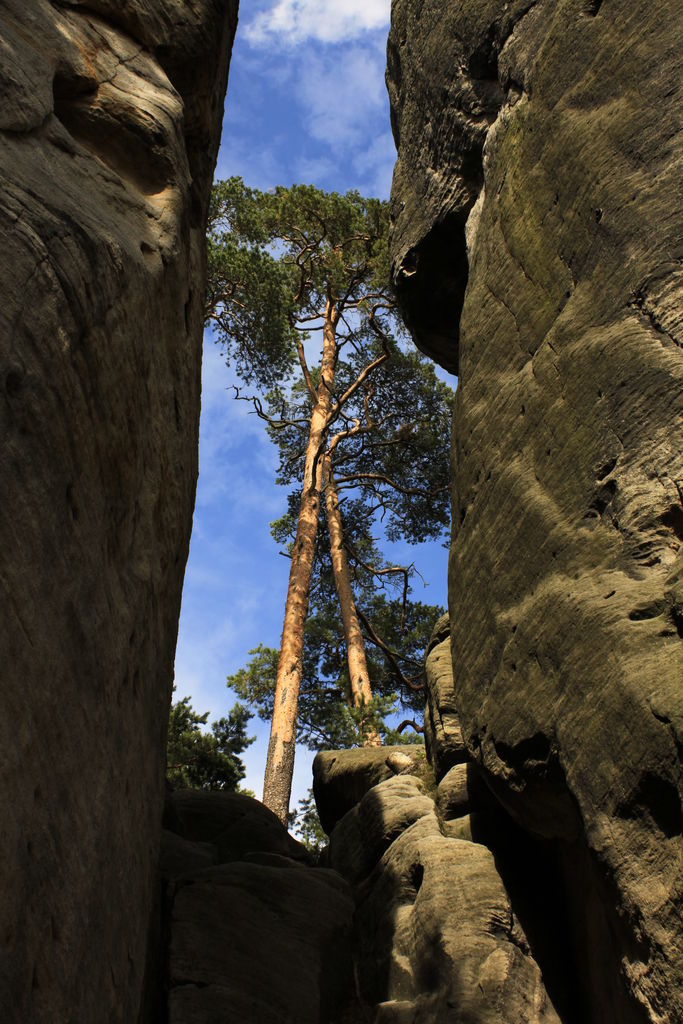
(361, 691)
(277, 783)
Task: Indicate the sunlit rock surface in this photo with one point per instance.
(436, 937)
(341, 778)
(110, 118)
(443, 736)
(537, 247)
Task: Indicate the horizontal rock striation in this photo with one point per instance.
(537, 247)
(110, 118)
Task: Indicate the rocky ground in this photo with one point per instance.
(418, 911)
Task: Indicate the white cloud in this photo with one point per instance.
(342, 95)
(260, 165)
(375, 164)
(316, 170)
(325, 21)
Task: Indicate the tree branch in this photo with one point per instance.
(391, 655)
(410, 721)
(363, 375)
(306, 372)
(387, 571)
(276, 423)
(354, 431)
(381, 478)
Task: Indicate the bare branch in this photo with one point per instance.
(392, 656)
(398, 570)
(384, 300)
(410, 721)
(280, 423)
(381, 478)
(306, 372)
(310, 319)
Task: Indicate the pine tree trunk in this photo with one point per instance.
(277, 783)
(361, 691)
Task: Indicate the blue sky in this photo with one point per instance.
(306, 103)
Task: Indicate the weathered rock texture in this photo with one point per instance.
(443, 736)
(436, 938)
(256, 935)
(110, 119)
(341, 778)
(538, 246)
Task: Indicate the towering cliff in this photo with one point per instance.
(537, 249)
(110, 118)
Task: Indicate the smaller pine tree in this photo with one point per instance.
(305, 824)
(198, 759)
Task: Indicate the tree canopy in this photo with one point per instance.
(275, 261)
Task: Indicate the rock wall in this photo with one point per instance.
(110, 118)
(537, 248)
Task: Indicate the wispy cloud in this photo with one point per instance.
(375, 164)
(342, 94)
(237, 462)
(315, 170)
(326, 21)
(262, 163)
(315, 110)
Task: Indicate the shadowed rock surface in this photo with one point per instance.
(110, 118)
(537, 246)
(255, 934)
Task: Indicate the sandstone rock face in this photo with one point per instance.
(110, 119)
(256, 935)
(537, 246)
(443, 736)
(436, 939)
(342, 777)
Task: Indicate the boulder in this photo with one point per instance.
(255, 943)
(233, 823)
(254, 934)
(110, 116)
(342, 777)
(178, 856)
(462, 790)
(436, 938)
(368, 829)
(537, 247)
(437, 933)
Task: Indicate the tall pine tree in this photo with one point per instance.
(293, 270)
